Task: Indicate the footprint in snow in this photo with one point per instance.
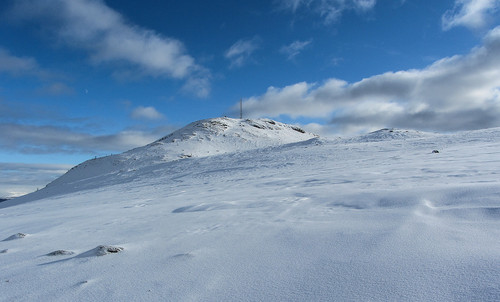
(82, 283)
(183, 256)
(16, 236)
(205, 207)
(142, 205)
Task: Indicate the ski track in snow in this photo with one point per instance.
(374, 218)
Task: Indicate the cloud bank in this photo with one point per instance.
(19, 66)
(107, 37)
(455, 93)
(33, 139)
(473, 14)
(18, 179)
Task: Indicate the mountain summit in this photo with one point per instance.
(224, 135)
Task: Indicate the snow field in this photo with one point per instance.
(367, 219)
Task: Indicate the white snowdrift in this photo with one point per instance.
(275, 215)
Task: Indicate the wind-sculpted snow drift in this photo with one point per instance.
(255, 210)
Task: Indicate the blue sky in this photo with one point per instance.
(85, 78)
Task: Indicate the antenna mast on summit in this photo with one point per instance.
(241, 109)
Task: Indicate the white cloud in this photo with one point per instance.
(332, 10)
(293, 5)
(294, 49)
(319, 129)
(27, 66)
(105, 34)
(198, 85)
(32, 139)
(364, 4)
(147, 113)
(56, 88)
(469, 13)
(35, 130)
(455, 93)
(18, 179)
(240, 52)
(329, 10)
(18, 65)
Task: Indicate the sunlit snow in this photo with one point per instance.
(256, 210)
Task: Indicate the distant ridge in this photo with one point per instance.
(391, 134)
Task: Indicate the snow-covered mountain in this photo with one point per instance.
(202, 138)
(247, 210)
(199, 139)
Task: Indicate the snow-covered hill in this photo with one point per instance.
(274, 215)
(199, 139)
(391, 134)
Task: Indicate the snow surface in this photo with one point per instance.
(267, 214)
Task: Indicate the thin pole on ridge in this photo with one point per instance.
(241, 109)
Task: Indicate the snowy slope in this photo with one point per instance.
(311, 220)
(199, 139)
